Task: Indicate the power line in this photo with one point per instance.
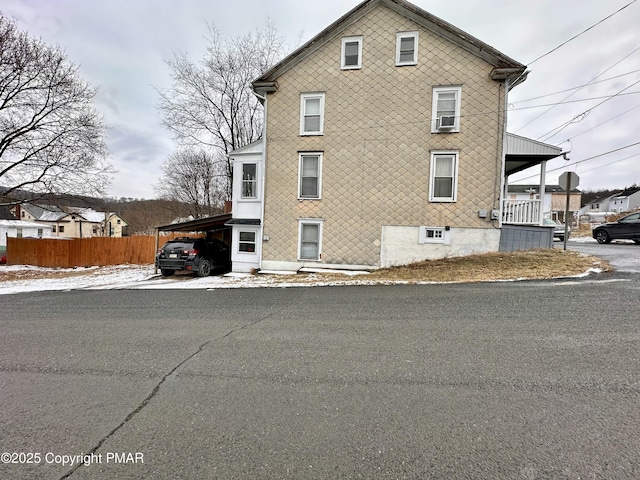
(602, 123)
(587, 159)
(576, 91)
(583, 32)
(572, 88)
(611, 163)
(575, 101)
(547, 136)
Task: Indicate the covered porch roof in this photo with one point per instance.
(522, 153)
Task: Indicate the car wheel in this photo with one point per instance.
(205, 268)
(167, 273)
(602, 236)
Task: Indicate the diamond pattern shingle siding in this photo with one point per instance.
(377, 141)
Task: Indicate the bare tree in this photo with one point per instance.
(51, 138)
(191, 176)
(211, 103)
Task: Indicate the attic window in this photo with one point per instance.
(407, 48)
(351, 53)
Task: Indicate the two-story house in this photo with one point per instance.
(626, 201)
(384, 143)
(73, 222)
(553, 202)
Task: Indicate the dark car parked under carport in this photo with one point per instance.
(198, 255)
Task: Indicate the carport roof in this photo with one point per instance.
(198, 225)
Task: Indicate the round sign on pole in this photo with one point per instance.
(570, 178)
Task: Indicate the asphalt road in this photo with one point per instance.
(624, 255)
(522, 380)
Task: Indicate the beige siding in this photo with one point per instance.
(377, 141)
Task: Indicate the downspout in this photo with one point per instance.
(264, 174)
(503, 180)
(155, 265)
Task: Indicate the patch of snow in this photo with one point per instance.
(583, 240)
(142, 277)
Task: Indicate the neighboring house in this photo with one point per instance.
(597, 205)
(554, 200)
(73, 222)
(21, 229)
(384, 144)
(625, 201)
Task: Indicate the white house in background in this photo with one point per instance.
(625, 201)
(73, 222)
(247, 206)
(553, 202)
(22, 229)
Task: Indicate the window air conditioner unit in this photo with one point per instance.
(446, 122)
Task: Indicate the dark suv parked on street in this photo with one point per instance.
(626, 228)
(198, 255)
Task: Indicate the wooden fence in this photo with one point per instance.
(84, 252)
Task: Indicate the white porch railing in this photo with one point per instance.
(523, 212)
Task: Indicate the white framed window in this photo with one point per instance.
(407, 48)
(247, 241)
(310, 176)
(443, 178)
(445, 115)
(310, 239)
(351, 56)
(311, 113)
(435, 235)
(249, 180)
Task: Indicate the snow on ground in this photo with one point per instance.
(24, 278)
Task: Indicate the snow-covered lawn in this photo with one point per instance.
(24, 278)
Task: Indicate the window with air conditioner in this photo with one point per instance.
(445, 115)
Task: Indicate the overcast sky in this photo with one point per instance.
(120, 47)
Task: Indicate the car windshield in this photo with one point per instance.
(548, 221)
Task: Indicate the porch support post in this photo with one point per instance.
(543, 190)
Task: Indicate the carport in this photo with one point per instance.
(213, 227)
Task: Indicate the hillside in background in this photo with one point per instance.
(141, 215)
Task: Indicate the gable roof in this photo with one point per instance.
(40, 212)
(5, 213)
(627, 192)
(504, 66)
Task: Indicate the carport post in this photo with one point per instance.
(155, 268)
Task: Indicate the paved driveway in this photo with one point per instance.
(623, 255)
